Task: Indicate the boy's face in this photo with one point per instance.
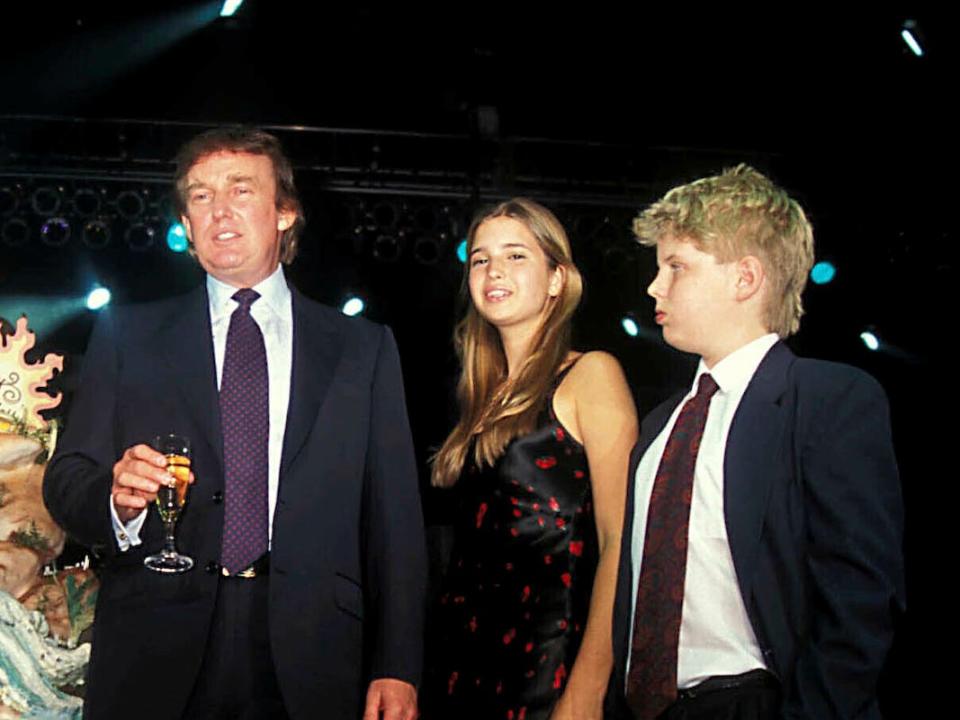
(696, 299)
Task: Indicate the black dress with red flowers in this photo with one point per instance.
(515, 599)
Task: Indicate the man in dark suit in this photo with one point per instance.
(761, 569)
(304, 517)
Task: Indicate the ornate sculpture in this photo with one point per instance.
(41, 616)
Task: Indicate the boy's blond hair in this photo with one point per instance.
(737, 213)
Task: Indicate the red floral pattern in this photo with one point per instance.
(524, 560)
(545, 463)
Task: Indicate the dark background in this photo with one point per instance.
(402, 122)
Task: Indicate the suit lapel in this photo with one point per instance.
(316, 351)
(752, 460)
(187, 350)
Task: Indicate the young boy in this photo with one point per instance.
(761, 566)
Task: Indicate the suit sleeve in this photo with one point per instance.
(854, 556)
(395, 544)
(78, 478)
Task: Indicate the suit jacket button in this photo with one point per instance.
(218, 497)
(212, 567)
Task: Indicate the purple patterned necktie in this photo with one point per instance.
(245, 419)
(652, 676)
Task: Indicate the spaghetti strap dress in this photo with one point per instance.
(514, 602)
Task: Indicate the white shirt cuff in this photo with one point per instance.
(127, 535)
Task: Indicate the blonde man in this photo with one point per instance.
(761, 562)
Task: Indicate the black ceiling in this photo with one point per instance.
(797, 77)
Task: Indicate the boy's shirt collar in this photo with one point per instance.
(735, 371)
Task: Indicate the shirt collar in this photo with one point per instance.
(273, 292)
(736, 369)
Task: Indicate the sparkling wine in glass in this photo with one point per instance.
(170, 501)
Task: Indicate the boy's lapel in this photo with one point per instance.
(753, 458)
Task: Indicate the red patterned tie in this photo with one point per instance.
(652, 677)
(245, 419)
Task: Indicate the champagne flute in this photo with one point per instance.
(170, 501)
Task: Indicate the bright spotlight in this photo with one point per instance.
(230, 7)
(630, 326)
(870, 340)
(823, 272)
(177, 238)
(99, 297)
(353, 306)
(911, 41)
(462, 251)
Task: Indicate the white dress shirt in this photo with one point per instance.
(273, 313)
(716, 637)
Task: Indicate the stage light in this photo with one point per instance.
(98, 298)
(15, 232)
(870, 340)
(908, 37)
(822, 273)
(462, 251)
(630, 326)
(139, 236)
(353, 306)
(55, 232)
(96, 234)
(426, 250)
(8, 201)
(130, 204)
(177, 238)
(386, 248)
(86, 202)
(230, 7)
(385, 215)
(45, 201)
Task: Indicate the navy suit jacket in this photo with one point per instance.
(814, 520)
(348, 568)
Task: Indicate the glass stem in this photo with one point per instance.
(169, 544)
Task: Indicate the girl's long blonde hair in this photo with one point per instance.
(494, 411)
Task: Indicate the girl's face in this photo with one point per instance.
(511, 281)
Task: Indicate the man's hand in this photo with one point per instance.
(396, 699)
(137, 477)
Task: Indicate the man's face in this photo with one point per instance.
(232, 217)
(695, 297)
